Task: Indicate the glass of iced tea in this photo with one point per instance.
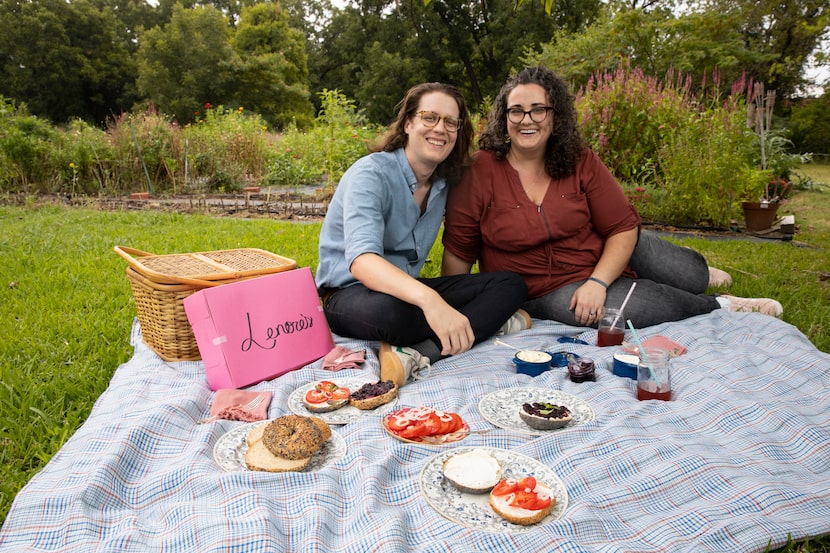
(611, 330)
(653, 375)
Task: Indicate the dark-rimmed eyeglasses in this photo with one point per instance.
(430, 119)
(537, 114)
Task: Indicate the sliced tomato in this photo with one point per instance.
(326, 386)
(317, 396)
(341, 393)
(525, 499)
(542, 501)
(506, 486)
(432, 426)
(531, 500)
(414, 430)
(457, 422)
(398, 421)
(527, 482)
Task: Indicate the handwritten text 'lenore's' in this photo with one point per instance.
(272, 333)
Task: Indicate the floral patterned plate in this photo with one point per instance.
(229, 451)
(344, 415)
(501, 408)
(473, 510)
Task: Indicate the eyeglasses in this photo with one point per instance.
(537, 114)
(430, 119)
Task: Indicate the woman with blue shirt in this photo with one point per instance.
(379, 229)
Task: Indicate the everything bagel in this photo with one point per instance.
(292, 437)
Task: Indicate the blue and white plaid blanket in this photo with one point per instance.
(739, 460)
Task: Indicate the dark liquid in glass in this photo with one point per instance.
(610, 337)
(643, 394)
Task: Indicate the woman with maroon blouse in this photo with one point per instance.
(539, 203)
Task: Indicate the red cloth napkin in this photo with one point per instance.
(233, 404)
(343, 358)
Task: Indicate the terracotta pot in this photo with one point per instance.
(759, 216)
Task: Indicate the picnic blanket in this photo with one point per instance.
(737, 461)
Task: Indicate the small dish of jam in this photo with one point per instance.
(581, 369)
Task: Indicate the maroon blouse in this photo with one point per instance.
(491, 219)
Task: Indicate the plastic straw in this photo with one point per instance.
(643, 355)
(625, 301)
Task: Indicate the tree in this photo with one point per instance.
(809, 125)
(767, 40)
(186, 64)
(64, 59)
(271, 75)
(699, 45)
(468, 43)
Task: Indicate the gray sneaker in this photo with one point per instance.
(518, 321)
(399, 364)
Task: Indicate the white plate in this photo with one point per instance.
(344, 415)
(229, 451)
(473, 510)
(502, 408)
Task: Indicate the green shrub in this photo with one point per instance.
(143, 147)
(707, 166)
(232, 149)
(321, 155)
(681, 159)
(25, 146)
(626, 115)
(79, 159)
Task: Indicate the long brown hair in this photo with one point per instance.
(565, 145)
(396, 137)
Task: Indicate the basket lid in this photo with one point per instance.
(206, 266)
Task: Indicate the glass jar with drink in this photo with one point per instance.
(611, 330)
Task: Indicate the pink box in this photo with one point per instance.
(258, 329)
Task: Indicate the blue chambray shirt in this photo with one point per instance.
(372, 211)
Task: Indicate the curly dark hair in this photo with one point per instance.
(565, 145)
(450, 169)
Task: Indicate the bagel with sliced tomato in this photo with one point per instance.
(522, 501)
(325, 396)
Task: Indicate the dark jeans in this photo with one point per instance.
(487, 299)
(671, 285)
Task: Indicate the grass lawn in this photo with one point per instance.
(67, 306)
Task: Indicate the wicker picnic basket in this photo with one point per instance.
(161, 282)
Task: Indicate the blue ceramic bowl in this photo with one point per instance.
(560, 358)
(531, 362)
(625, 365)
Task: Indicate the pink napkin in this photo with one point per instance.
(662, 342)
(658, 341)
(233, 405)
(343, 358)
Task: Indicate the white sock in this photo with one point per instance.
(724, 302)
